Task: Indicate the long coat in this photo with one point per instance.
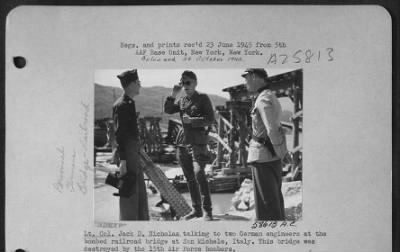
(134, 207)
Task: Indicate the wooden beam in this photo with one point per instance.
(217, 138)
(219, 145)
(226, 122)
(167, 190)
(297, 114)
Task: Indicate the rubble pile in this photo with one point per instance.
(243, 199)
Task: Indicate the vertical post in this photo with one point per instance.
(232, 158)
(242, 138)
(162, 106)
(296, 93)
(219, 145)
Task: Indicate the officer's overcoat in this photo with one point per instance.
(134, 207)
(266, 115)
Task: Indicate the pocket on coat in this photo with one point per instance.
(279, 143)
(277, 137)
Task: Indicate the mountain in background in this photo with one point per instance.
(149, 102)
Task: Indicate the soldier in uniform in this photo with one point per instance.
(197, 113)
(135, 206)
(267, 147)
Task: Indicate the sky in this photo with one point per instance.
(210, 81)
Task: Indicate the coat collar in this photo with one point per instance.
(265, 87)
(260, 90)
(127, 99)
(195, 94)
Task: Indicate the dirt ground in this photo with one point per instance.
(106, 205)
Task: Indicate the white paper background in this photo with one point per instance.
(347, 111)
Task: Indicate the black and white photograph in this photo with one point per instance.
(160, 167)
(198, 128)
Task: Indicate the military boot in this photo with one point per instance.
(193, 214)
(208, 216)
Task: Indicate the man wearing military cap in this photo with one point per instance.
(267, 147)
(196, 112)
(135, 206)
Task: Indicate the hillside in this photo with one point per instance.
(149, 102)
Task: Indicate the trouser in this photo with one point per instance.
(134, 207)
(192, 159)
(267, 179)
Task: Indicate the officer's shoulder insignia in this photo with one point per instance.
(267, 94)
(265, 98)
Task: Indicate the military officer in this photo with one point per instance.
(267, 147)
(135, 206)
(197, 113)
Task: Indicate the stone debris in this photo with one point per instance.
(243, 199)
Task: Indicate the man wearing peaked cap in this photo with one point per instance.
(267, 147)
(135, 206)
(258, 71)
(197, 113)
(128, 76)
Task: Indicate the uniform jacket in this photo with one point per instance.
(266, 115)
(199, 108)
(125, 123)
